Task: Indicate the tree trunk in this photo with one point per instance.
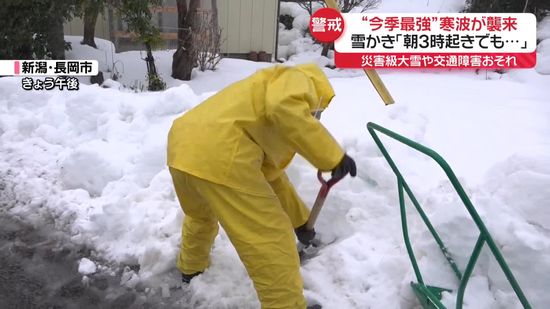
(215, 23)
(90, 18)
(55, 39)
(150, 60)
(185, 57)
(326, 48)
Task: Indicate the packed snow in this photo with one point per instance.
(92, 162)
(86, 266)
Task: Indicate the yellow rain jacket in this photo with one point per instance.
(250, 131)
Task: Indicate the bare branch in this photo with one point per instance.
(207, 41)
(370, 4)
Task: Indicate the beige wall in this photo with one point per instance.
(76, 27)
(247, 25)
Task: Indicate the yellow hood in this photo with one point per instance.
(320, 81)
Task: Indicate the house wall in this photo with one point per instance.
(76, 27)
(247, 25)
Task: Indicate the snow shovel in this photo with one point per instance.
(306, 251)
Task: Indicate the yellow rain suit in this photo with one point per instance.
(227, 158)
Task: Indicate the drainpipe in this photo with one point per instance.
(277, 30)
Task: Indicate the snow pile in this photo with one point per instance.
(543, 29)
(296, 45)
(105, 53)
(94, 161)
(131, 70)
(543, 48)
(74, 173)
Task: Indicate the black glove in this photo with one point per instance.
(347, 165)
(304, 235)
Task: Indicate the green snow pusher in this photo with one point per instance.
(430, 296)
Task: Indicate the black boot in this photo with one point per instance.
(187, 278)
(316, 306)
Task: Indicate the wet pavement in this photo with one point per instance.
(38, 269)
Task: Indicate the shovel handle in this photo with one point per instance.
(326, 184)
(320, 200)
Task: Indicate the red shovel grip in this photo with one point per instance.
(320, 200)
(326, 184)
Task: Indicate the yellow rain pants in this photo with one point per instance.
(257, 226)
(228, 157)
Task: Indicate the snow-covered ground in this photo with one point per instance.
(92, 163)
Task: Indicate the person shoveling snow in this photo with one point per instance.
(227, 158)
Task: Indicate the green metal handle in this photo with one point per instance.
(484, 237)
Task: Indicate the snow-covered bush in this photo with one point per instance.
(293, 29)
